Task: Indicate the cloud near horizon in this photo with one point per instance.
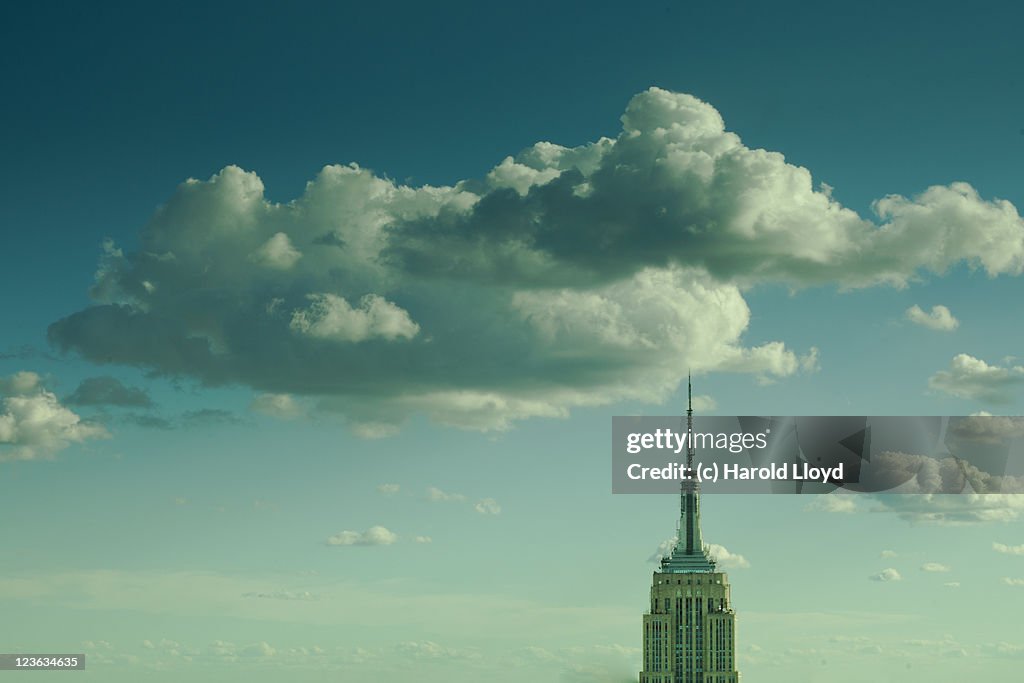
(565, 277)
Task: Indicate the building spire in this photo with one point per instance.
(689, 553)
(689, 421)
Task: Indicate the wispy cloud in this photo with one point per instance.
(1008, 549)
(108, 391)
(376, 535)
(436, 495)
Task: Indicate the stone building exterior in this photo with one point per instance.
(690, 630)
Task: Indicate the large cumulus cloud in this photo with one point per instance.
(564, 277)
(676, 188)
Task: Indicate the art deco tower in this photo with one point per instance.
(690, 631)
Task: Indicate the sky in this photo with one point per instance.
(316, 319)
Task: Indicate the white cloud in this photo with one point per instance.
(954, 510)
(836, 503)
(1008, 549)
(952, 584)
(888, 554)
(1013, 582)
(726, 559)
(277, 252)
(331, 317)
(595, 274)
(389, 489)
(664, 549)
(487, 506)
(436, 495)
(20, 384)
(282, 406)
(719, 553)
(934, 567)
(376, 535)
(423, 539)
(34, 424)
(889, 574)
(972, 378)
(938, 319)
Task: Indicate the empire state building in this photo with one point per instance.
(690, 630)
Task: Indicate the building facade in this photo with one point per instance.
(690, 630)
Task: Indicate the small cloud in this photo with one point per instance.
(888, 554)
(836, 503)
(487, 506)
(388, 489)
(938, 319)
(281, 406)
(809, 362)
(423, 539)
(1008, 549)
(952, 584)
(954, 510)
(436, 495)
(34, 424)
(374, 430)
(889, 574)
(108, 391)
(304, 596)
(664, 549)
(934, 567)
(1013, 582)
(972, 378)
(376, 535)
(181, 500)
(727, 559)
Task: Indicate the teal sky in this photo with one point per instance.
(315, 322)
